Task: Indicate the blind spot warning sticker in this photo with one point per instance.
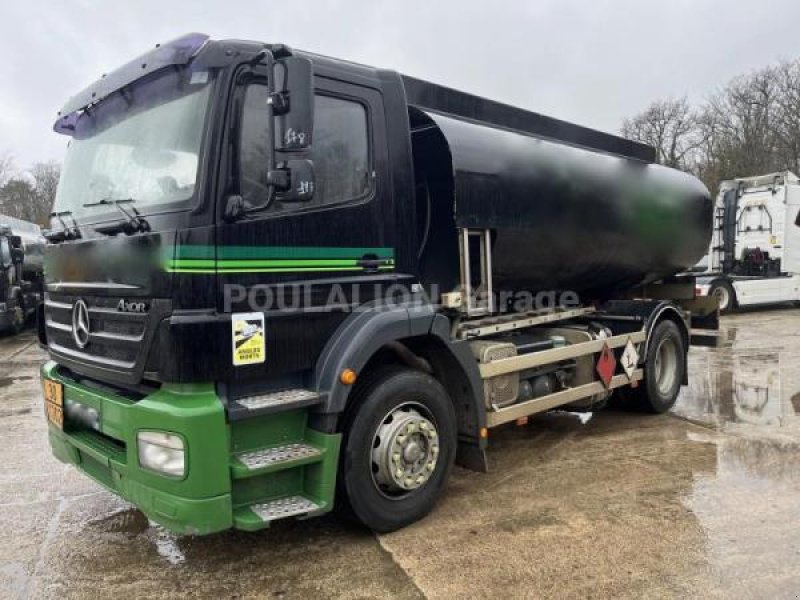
(248, 338)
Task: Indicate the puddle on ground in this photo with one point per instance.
(751, 380)
(167, 545)
(129, 521)
(748, 390)
(15, 578)
(7, 381)
(749, 513)
(133, 523)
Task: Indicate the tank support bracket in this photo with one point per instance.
(478, 293)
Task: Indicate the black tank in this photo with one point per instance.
(563, 216)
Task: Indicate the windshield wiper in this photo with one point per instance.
(132, 223)
(67, 233)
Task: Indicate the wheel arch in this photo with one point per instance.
(666, 311)
(415, 336)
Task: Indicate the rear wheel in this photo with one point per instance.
(664, 370)
(723, 291)
(398, 448)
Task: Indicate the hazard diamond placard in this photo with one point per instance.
(629, 359)
(606, 365)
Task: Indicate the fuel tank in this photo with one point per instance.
(564, 217)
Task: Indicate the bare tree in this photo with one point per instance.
(787, 120)
(670, 126)
(45, 176)
(742, 118)
(17, 199)
(6, 167)
(749, 127)
(28, 195)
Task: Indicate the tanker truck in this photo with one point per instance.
(283, 281)
(21, 262)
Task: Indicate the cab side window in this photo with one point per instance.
(340, 151)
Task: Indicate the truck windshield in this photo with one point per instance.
(142, 143)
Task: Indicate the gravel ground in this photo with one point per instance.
(702, 502)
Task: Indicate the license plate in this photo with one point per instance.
(54, 402)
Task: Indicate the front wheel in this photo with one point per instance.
(664, 370)
(398, 448)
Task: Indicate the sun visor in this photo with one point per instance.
(177, 52)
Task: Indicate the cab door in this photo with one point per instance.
(305, 265)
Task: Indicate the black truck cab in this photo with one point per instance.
(196, 263)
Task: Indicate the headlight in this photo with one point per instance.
(162, 452)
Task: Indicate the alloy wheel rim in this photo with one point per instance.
(405, 450)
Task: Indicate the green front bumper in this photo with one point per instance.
(214, 494)
(198, 503)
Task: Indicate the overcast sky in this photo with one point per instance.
(588, 61)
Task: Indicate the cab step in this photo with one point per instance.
(277, 401)
(291, 506)
(280, 467)
(262, 514)
(275, 458)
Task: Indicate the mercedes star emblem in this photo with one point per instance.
(80, 323)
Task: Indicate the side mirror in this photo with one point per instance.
(293, 104)
(298, 184)
(292, 107)
(292, 181)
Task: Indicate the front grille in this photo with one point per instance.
(118, 341)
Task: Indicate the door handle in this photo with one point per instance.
(371, 264)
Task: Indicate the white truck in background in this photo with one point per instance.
(754, 256)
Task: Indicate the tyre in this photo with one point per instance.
(398, 448)
(664, 370)
(723, 291)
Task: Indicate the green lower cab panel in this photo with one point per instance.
(244, 474)
(193, 516)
